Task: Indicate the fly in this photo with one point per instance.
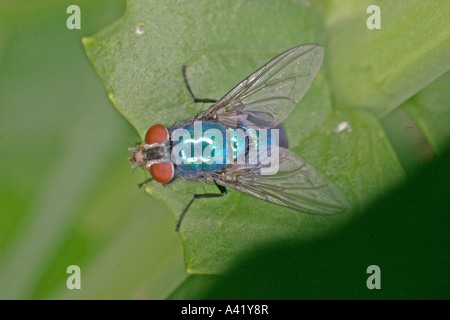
(255, 106)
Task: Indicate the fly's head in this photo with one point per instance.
(148, 154)
(154, 154)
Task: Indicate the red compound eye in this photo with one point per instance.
(162, 172)
(156, 133)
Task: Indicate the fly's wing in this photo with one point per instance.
(297, 185)
(266, 97)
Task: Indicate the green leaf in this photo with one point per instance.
(139, 59)
(352, 148)
(380, 69)
(194, 286)
(430, 108)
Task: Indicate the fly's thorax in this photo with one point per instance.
(156, 153)
(198, 147)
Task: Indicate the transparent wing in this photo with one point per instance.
(297, 185)
(266, 97)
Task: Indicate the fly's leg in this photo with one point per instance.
(142, 184)
(190, 90)
(223, 191)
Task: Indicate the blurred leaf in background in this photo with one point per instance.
(430, 110)
(67, 195)
(380, 69)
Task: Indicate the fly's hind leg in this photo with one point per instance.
(223, 191)
(190, 90)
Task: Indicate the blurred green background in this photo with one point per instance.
(68, 196)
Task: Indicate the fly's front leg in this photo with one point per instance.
(190, 91)
(223, 191)
(142, 184)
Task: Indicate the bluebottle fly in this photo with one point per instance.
(259, 102)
